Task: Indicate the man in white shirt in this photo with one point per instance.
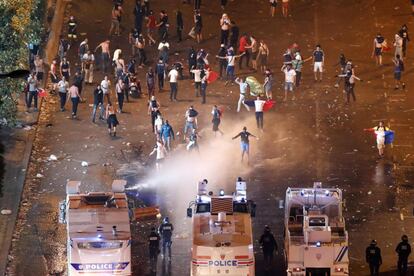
(105, 85)
(197, 80)
(244, 87)
(88, 61)
(258, 105)
(173, 75)
(63, 87)
(290, 79)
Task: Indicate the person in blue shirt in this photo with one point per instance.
(167, 133)
(398, 69)
(318, 62)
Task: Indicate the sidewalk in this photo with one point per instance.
(18, 144)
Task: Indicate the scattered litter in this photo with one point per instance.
(6, 212)
(52, 157)
(39, 175)
(84, 164)
(369, 192)
(27, 128)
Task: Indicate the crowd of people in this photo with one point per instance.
(120, 79)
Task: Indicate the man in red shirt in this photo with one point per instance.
(243, 46)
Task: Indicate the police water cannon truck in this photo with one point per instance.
(222, 232)
(98, 230)
(316, 241)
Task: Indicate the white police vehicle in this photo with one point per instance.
(98, 227)
(222, 232)
(316, 241)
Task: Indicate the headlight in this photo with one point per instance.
(339, 269)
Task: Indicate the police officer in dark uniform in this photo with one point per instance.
(166, 229)
(268, 244)
(154, 248)
(403, 250)
(373, 258)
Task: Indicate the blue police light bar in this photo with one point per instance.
(318, 244)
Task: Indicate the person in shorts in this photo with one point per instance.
(244, 143)
(273, 4)
(318, 62)
(398, 69)
(290, 79)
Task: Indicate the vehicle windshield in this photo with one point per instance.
(100, 245)
(203, 208)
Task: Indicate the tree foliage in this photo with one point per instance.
(21, 22)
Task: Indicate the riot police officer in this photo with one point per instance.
(166, 229)
(373, 258)
(154, 247)
(403, 250)
(268, 244)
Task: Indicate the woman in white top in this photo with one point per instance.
(105, 85)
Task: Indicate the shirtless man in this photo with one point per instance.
(106, 55)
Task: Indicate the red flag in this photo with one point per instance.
(268, 105)
(212, 77)
(42, 93)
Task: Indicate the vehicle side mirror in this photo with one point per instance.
(252, 209)
(189, 212)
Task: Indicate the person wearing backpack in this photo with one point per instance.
(398, 69)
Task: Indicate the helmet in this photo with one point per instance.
(373, 242)
(404, 238)
(166, 219)
(267, 228)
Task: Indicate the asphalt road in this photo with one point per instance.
(315, 138)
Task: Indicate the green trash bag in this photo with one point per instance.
(256, 88)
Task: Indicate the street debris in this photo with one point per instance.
(6, 212)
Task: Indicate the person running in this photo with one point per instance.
(244, 88)
(173, 75)
(290, 79)
(258, 105)
(167, 133)
(273, 5)
(398, 70)
(111, 119)
(318, 62)
(105, 56)
(268, 84)
(379, 43)
(98, 102)
(63, 87)
(216, 120)
(244, 143)
(268, 244)
(153, 110)
(75, 98)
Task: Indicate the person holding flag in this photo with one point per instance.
(384, 137)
